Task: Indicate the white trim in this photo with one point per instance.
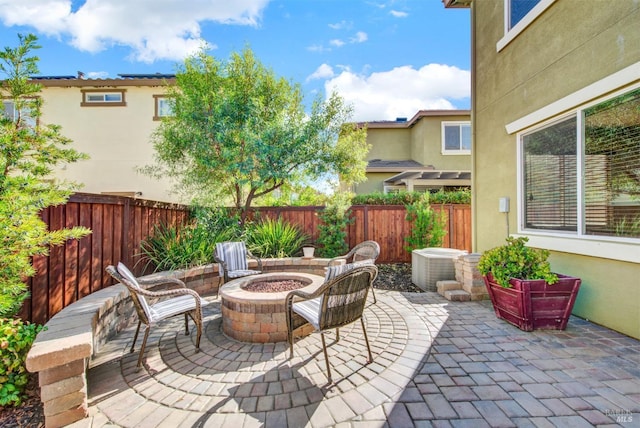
(597, 89)
(622, 251)
(510, 34)
(448, 152)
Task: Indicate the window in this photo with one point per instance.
(96, 97)
(581, 174)
(517, 9)
(518, 15)
(10, 111)
(456, 138)
(163, 107)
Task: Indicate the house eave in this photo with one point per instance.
(450, 4)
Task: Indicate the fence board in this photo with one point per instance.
(120, 224)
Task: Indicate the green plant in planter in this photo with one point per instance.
(516, 260)
(16, 338)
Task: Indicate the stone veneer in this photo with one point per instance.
(258, 317)
(62, 353)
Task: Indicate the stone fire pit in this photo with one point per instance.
(260, 316)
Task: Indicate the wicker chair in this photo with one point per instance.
(176, 301)
(232, 259)
(364, 251)
(338, 302)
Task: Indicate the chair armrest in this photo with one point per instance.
(335, 259)
(256, 258)
(173, 293)
(155, 282)
(302, 295)
(221, 262)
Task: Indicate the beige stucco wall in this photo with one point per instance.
(420, 141)
(573, 44)
(426, 144)
(116, 138)
(389, 144)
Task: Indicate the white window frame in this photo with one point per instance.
(26, 118)
(102, 100)
(448, 152)
(157, 99)
(513, 32)
(616, 248)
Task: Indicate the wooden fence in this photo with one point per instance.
(76, 269)
(119, 224)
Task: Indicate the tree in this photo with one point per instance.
(427, 226)
(29, 150)
(238, 132)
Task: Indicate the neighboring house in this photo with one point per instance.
(111, 120)
(432, 150)
(556, 126)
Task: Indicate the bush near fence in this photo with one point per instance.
(120, 224)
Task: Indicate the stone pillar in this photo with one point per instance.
(468, 275)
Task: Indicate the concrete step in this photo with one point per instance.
(457, 295)
(445, 285)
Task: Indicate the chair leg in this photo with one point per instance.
(186, 324)
(135, 337)
(144, 344)
(337, 335)
(290, 339)
(366, 339)
(374, 294)
(326, 356)
(199, 329)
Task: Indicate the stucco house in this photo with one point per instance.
(432, 150)
(556, 130)
(111, 120)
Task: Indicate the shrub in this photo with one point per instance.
(274, 238)
(515, 260)
(170, 248)
(427, 226)
(460, 196)
(332, 231)
(16, 339)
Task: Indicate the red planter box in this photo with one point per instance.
(532, 303)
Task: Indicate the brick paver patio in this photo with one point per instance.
(436, 363)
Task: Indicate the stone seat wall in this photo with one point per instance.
(74, 337)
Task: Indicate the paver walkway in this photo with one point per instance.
(436, 363)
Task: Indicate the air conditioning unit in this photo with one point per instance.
(430, 265)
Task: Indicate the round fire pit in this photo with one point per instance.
(253, 308)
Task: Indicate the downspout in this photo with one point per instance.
(474, 217)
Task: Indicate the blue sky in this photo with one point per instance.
(388, 58)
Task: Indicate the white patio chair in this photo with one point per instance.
(232, 259)
(176, 301)
(366, 251)
(338, 302)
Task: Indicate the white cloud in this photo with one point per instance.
(398, 14)
(154, 30)
(402, 91)
(325, 71)
(341, 25)
(97, 75)
(336, 42)
(318, 48)
(360, 37)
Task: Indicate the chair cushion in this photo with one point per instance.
(309, 310)
(334, 271)
(126, 273)
(241, 273)
(234, 255)
(173, 306)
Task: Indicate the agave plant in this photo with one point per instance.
(274, 238)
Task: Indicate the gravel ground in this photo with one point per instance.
(396, 276)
